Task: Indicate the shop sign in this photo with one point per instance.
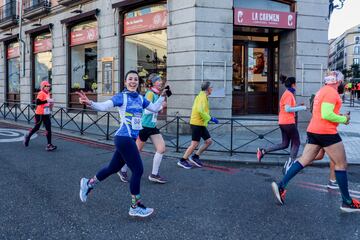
(107, 75)
(13, 52)
(145, 23)
(42, 45)
(83, 36)
(264, 18)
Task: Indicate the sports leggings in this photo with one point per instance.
(126, 153)
(289, 133)
(46, 119)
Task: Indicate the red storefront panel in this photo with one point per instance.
(83, 36)
(146, 23)
(264, 18)
(42, 45)
(13, 52)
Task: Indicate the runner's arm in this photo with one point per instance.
(102, 106)
(156, 106)
(294, 109)
(327, 113)
(205, 116)
(40, 102)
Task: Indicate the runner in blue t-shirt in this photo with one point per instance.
(131, 106)
(148, 121)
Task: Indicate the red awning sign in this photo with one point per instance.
(83, 36)
(42, 45)
(264, 18)
(146, 23)
(13, 52)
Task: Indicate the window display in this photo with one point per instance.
(42, 60)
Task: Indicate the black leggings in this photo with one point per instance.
(289, 133)
(46, 119)
(126, 152)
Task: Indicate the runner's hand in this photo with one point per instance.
(348, 119)
(83, 99)
(50, 100)
(214, 120)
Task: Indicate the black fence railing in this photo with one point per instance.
(8, 11)
(30, 5)
(231, 135)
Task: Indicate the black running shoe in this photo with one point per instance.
(50, 147)
(26, 140)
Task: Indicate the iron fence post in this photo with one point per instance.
(61, 118)
(177, 133)
(28, 111)
(82, 123)
(108, 126)
(16, 117)
(231, 136)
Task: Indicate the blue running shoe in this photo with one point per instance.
(184, 164)
(140, 211)
(84, 189)
(196, 161)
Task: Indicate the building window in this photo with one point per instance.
(146, 41)
(83, 60)
(13, 72)
(357, 40)
(357, 50)
(42, 46)
(356, 61)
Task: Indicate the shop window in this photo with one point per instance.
(83, 61)
(145, 40)
(13, 72)
(146, 53)
(42, 46)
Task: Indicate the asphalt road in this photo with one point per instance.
(39, 193)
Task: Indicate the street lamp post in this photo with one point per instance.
(332, 6)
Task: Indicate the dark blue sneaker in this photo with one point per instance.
(184, 164)
(196, 161)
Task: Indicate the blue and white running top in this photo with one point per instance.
(131, 105)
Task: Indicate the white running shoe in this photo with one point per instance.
(140, 211)
(84, 189)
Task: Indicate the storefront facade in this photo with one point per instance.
(240, 46)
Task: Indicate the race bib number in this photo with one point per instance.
(47, 110)
(154, 118)
(136, 122)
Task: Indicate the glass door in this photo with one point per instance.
(255, 74)
(257, 79)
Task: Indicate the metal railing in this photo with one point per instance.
(231, 135)
(30, 5)
(8, 11)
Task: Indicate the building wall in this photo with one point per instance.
(349, 44)
(311, 47)
(198, 30)
(108, 45)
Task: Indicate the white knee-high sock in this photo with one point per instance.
(124, 168)
(156, 163)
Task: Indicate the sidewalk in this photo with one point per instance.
(245, 139)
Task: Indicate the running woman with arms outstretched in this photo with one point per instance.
(131, 105)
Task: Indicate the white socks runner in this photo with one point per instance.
(156, 163)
